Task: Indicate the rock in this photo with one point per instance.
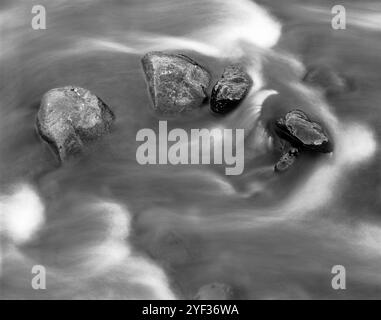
(176, 83)
(286, 160)
(71, 116)
(230, 90)
(303, 133)
(171, 248)
(327, 79)
(214, 291)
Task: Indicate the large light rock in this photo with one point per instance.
(70, 117)
(230, 90)
(302, 133)
(177, 84)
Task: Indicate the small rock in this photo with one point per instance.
(176, 83)
(230, 90)
(286, 160)
(327, 79)
(71, 116)
(214, 291)
(303, 133)
(171, 248)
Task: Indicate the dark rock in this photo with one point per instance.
(214, 291)
(303, 133)
(71, 116)
(176, 83)
(230, 90)
(286, 160)
(327, 79)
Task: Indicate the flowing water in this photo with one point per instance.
(105, 227)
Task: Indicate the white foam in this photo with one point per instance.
(21, 214)
(238, 21)
(357, 144)
(354, 144)
(110, 256)
(370, 236)
(115, 257)
(230, 25)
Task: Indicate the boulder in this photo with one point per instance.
(302, 133)
(230, 90)
(69, 117)
(214, 291)
(177, 84)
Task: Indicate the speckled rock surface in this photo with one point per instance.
(176, 83)
(69, 117)
(296, 128)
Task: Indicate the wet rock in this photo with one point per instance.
(214, 291)
(303, 133)
(172, 249)
(286, 160)
(69, 117)
(176, 83)
(230, 90)
(327, 79)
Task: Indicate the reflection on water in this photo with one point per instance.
(106, 227)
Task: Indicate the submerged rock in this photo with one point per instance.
(286, 160)
(230, 90)
(214, 291)
(176, 83)
(327, 79)
(71, 116)
(303, 133)
(171, 248)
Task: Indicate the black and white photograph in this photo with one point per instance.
(193, 150)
